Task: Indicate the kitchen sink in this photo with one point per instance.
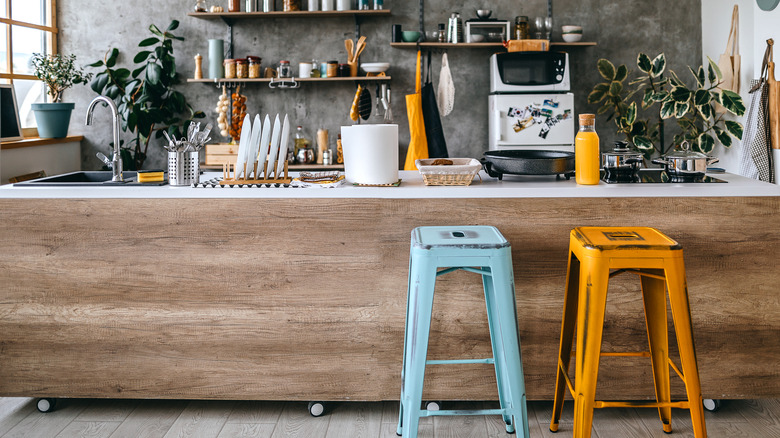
(87, 179)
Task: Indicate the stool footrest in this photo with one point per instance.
(641, 404)
(426, 413)
(626, 354)
(489, 360)
(480, 271)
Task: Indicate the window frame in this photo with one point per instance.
(51, 41)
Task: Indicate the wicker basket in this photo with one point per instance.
(460, 173)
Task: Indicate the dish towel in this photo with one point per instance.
(445, 94)
(756, 152)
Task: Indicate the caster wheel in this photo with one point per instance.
(46, 404)
(711, 405)
(432, 406)
(316, 409)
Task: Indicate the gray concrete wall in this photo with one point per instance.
(88, 28)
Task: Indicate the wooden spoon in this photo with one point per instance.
(349, 44)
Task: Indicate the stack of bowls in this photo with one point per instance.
(572, 34)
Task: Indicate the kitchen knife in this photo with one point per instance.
(243, 143)
(254, 145)
(265, 138)
(283, 146)
(274, 146)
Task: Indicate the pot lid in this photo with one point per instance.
(622, 149)
(685, 152)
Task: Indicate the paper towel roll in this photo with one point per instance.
(370, 153)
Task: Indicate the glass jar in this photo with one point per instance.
(230, 68)
(344, 71)
(521, 27)
(333, 69)
(200, 6)
(285, 71)
(234, 5)
(254, 66)
(242, 68)
(292, 5)
(315, 69)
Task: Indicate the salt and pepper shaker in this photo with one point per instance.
(198, 66)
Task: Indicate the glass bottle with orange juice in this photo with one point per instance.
(587, 157)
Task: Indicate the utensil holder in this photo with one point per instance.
(183, 168)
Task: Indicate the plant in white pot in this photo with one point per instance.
(59, 73)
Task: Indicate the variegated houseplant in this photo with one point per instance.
(693, 108)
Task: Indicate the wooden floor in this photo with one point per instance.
(182, 418)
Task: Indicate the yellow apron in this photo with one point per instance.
(418, 145)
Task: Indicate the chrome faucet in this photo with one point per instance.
(116, 161)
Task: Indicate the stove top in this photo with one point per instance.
(659, 176)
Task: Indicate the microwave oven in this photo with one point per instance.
(529, 72)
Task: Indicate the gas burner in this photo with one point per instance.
(659, 176)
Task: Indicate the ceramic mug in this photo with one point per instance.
(304, 69)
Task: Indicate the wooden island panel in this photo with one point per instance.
(305, 299)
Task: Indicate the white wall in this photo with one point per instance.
(756, 26)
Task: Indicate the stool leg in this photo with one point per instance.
(681, 315)
(420, 303)
(594, 278)
(496, 340)
(654, 296)
(567, 337)
(399, 430)
(507, 346)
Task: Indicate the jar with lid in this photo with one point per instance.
(301, 142)
(332, 69)
(285, 71)
(254, 66)
(230, 68)
(521, 27)
(442, 33)
(200, 6)
(344, 71)
(292, 5)
(234, 5)
(242, 68)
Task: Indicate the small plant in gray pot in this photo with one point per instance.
(59, 73)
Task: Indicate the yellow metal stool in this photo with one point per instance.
(658, 260)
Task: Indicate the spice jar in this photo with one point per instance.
(234, 5)
(344, 71)
(292, 5)
(242, 68)
(254, 66)
(230, 68)
(333, 69)
(521, 27)
(285, 71)
(200, 6)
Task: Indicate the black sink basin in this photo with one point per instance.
(87, 179)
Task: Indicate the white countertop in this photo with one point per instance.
(412, 187)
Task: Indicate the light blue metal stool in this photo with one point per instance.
(482, 250)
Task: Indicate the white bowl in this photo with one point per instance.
(477, 38)
(571, 29)
(572, 37)
(375, 67)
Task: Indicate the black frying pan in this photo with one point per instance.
(528, 162)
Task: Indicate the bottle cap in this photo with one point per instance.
(587, 119)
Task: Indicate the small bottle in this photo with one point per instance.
(301, 142)
(379, 4)
(339, 151)
(363, 5)
(442, 33)
(586, 151)
(315, 68)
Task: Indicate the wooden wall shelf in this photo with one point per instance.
(268, 80)
(437, 45)
(292, 14)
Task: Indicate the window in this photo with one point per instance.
(26, 27)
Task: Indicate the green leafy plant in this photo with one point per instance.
(58, 72)
(146, 99)
(693, 108)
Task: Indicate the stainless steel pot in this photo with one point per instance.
(685, 162)
(622, 163)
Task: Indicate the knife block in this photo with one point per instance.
(229, 178)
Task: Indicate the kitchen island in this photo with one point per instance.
(300, 294)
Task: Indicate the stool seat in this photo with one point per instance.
(595, 255)
(482, 250)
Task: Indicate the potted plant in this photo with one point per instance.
(692, 107)
(59, 73)
(146, 99)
